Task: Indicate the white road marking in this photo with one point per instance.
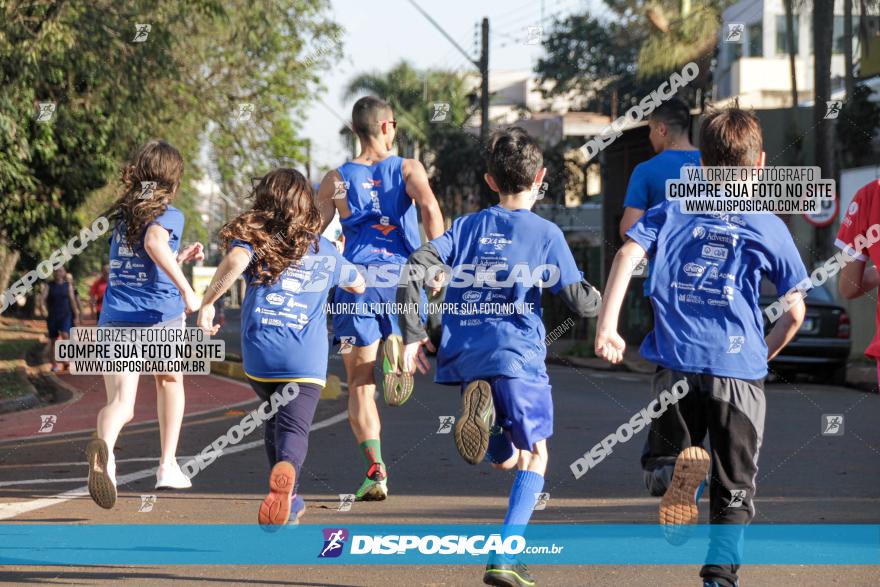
(11, 510)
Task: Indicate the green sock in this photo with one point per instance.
(372, 451)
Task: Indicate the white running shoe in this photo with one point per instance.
(171, 477)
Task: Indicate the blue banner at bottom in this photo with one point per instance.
(568, 544)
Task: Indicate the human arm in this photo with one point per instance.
(231, 267)
(787, 326)
(192, 252)
(419, 189)
(324, 198)
(409, 295)
(609, 344)
(856, 279)
(156, 246)
(630, 217)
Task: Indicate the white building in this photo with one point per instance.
(753, 65)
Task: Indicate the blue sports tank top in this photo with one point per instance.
(383, 227)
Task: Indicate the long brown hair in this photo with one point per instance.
(151, 182)
(282, 225)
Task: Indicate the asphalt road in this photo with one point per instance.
(805, 477)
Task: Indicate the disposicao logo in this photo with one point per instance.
(334, 542)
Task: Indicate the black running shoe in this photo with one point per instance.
(510, 575)
(473, 426)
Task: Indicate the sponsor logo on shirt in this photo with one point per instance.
(124, 251)
(499, 242)
(115, 264)
(383, 228)
(472, 296)
(698, 232)
(275, 299)
(271, 322)
(713, 252)
(695, 270)
(852, 209)
(729, 239)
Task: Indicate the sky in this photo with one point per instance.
(380, 33)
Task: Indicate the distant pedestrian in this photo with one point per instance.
(856, 278)
(96, 292)
(59, 304)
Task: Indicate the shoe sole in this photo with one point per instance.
(398, 385)
(275, 509)
(677, 507)
(101, 487)
(374, 493)
(471, 431)
(505, 579)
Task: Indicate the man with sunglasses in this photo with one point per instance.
(376, 195)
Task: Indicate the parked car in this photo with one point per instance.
(822, 345)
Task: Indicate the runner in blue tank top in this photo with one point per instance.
(376, 196)
(58, 302)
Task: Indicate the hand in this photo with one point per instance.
(190, 253)
(191, 301)
(610, 346)
(414, 356)
(205, 321)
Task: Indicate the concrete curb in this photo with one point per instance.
(27, 400)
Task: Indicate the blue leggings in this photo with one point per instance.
(287, 432)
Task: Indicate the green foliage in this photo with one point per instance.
(185, 82)
(590, 58)
(858, 122)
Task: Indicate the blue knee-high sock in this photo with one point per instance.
(522, 500)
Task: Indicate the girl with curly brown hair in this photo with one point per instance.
(147, 289)
(289, 270)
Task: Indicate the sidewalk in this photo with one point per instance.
(83, 396)
(859, 375)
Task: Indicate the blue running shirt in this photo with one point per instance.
(647, 184)
(705, 287)
(383, 229)
(508, 255)
(284, 325)
(383, 226)
(138, 290)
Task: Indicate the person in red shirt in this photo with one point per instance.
(862, 219)
(96, 292)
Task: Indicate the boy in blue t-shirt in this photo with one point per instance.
(492, 344)
(708, 332)
(669, 125)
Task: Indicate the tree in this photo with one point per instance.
(587, 58)
(186, 77)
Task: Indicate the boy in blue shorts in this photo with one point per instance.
(709, 332)
(499, 260)
(379, 197)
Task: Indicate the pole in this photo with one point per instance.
(484, 73)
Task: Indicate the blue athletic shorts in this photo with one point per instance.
(523, 410)
(56, 326)
(365, 329)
